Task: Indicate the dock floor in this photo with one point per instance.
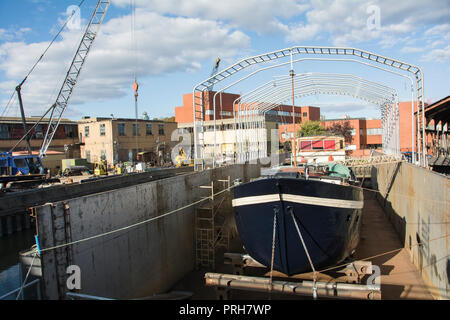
(400, 279)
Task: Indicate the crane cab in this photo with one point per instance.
(20, 165)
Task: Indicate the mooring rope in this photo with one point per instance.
(274, 231)
(307, 254)
(138, 223)
(28, 273)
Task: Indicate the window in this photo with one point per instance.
(305, 145)
(271, 112)
(88, 155)
(353, 132)
(103, 155)
(305, 114)
(148, 129)
(138, 129)
(20, 163)
(317, 144)
(69, 131)
(121, 129)
(284, 113)
(209, 112)
(225, 113)
(374, 131)
(329, 145)
(86, 131)
(161, 129)
(102, 129)
(4, 131)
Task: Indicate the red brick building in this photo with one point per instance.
(366, 135)
(224, 109)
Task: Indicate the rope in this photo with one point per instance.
(26, 277)
(136, 224)
(275, 211)
(43, 54)
(405, 196)
(7, 105)
(307, 254)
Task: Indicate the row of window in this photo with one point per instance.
(222, 113)
(121, 128)
(132, 153)
(320, 145)
(16, 131)
(374, 131)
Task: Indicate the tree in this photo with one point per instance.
(310, 129)
(342, 129)
(166, 119)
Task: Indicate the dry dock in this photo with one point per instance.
(142, 240)
(400, 279)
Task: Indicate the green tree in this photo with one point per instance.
(310, 129)
(342, 129)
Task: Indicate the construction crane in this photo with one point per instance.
(30, 163)
(213, 72)
(57, 109)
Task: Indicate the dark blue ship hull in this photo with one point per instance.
(328, 216)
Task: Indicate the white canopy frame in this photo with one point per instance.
(374, 59)
(254, 105)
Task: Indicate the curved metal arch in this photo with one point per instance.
(272, 98)
(198, 110)
(321, 79)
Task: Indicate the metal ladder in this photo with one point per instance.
(210, 230)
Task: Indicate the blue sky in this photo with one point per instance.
(177, 43)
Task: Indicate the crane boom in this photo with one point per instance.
(213, 72)
(72, 75)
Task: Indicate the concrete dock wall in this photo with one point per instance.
(19, 202)
(140, 261)
(416, 201)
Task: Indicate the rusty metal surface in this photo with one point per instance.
(303, 288)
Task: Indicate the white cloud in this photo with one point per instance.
(13, 34)
(438, 30)
(164, 44)
(349, 21)
(439, 55)
(256, 15)
(412, 49)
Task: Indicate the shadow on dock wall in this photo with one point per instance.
(141, 261)
(416, 202)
